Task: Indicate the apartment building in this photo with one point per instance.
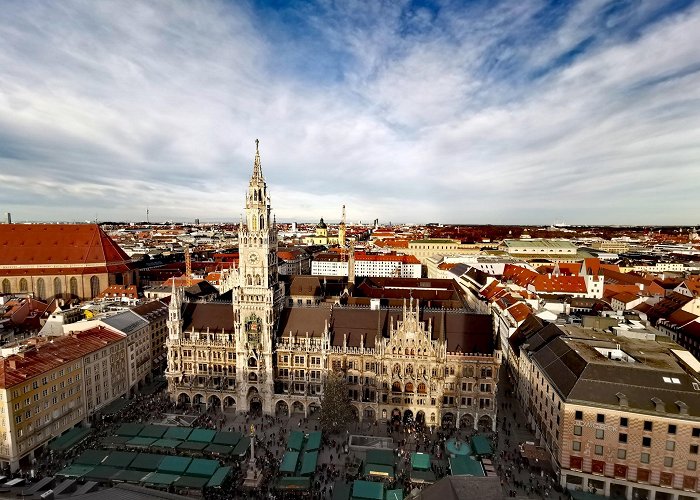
(619, 412)
(43, 388)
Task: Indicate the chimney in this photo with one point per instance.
(682, 407)
(9, 218)
(622, 398)
(660, 407)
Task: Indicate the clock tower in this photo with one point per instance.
(258, 297)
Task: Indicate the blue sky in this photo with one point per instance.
(524, 112)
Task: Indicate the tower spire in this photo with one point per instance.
(257, 168)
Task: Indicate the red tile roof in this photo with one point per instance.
(62, 244)
(42, 354)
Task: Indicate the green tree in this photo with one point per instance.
(336, 412)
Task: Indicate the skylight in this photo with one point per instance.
(671, 380)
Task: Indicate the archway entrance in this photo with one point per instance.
(184, 400)
(420, 418)
(255, 406)
(214, 402)
(448, 420)
(407, 417)
(282, 409)
(314, 408)
(396, 415)
(485, 423)
(466, 421)
(297, 407)
(229, 402)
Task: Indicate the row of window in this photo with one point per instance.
(648, 425)
(57, 286)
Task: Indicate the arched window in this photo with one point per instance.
(23, 285)
(260, 195)
(73, 284)
(409, 387)
(409, 369)
(94, 287)
(395, 387)
(249, 279)
(252, 362)
(57, 286)
(407, 351)
(40, 288)
(258, 281)
(6, 286)
(421, 388)
(255, 195)
(262, 223)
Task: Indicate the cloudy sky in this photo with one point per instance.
(522, 111)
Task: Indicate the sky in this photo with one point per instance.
(510, 112)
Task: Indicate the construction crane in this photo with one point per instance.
(188, 266)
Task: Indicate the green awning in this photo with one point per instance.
(227, 438)
(115, 407)
(481, 445)
(422, 476)
(160, 479)
(219, 449)
(120, 459)
(289, 462)
(196, 483)
(219, 477)
(308, 463)
(140, 442)
(202, 435)
(191, 446)
(181, 433)
(295, 441)
(394, 494)
(114, 441)
(585, 495)
(130, 476)
(129, 429)
(101, 474)
(466, 466)
(384, 457)
(166, 443)
(153, 431)
(379, 470)
(341, 490)
(294, 483)
(75, 470)
(242, 447)
(69, 439)
(91, 457)
(146, 461)
(174, 465)
(420, 461)
(202, 468)
(367, 490)
(313, 442)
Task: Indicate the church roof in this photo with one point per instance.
(322, 225)
(65, 245)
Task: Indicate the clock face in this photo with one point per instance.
(253, 258)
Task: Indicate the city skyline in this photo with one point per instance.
(506, 113)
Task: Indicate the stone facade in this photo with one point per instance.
(400, 363)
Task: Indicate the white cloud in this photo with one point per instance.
(158, 105)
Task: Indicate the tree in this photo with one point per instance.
(336, 412)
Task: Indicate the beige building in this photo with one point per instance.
(620, 414)
(423, 249)
(43, 387)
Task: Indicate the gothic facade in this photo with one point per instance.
(402, 363)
